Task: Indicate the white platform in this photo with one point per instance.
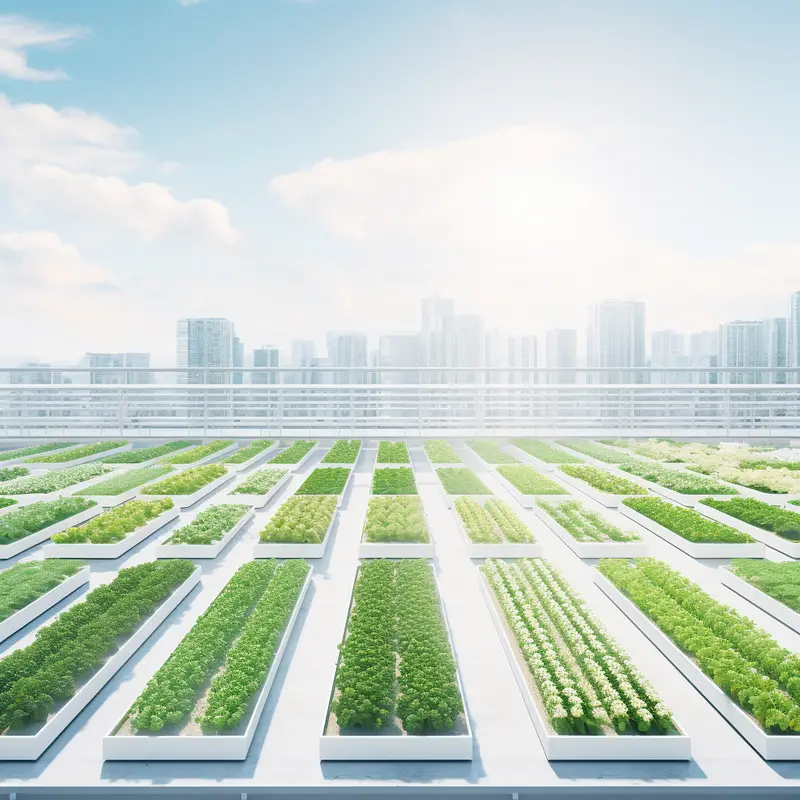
(528, 500)
(770, 539)
(203, 550)
(758, 598)
(252, 460)
(604, 498)
(256, 500)
(151, 462)
(77, 462)
(502, 549)
(293, 550)
(26, 542)
(299, 464)
(188, 500)
(215, 456)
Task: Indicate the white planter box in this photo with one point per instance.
(22, 459)
(770, 539)
(758, 598)
(296, 467)
(215, 747)
(250, 461)
(525, 500)
(26, 542)
(292, 550)
(697, 550)
(395, 549)
(203, 550)
(187, 500)
(323, 463)
(215, 456)
(688, 500)
(502, 549)
(527, 458)
(777, 748)
(434, 467)
(152, 461)
(256, 500)
(583, 748)
(603, 498)
(77, 461)
(592, 549)
(29, 748)
(366, 747)
(21, 618)
(114, 550)
(593, 462)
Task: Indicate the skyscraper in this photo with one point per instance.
(522, 352)
(204, 342)
(347, 351)
(667, 350)
(400, 350)
(776, 348)
(266, 356)
(470, 345)
(561, 351)
(120, 361)
(438, 341)
(303, 353)
(794, 334)
(616, 340)
(742, 347)
(703, 354)
(238, 359)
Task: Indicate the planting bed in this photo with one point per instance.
(393, 453)
(21, 453)
(189, 486)
(300, 529)
(62, 459)
(491, 529)
(207, 535)
(599, 484)
(201, 454)
(491, 452)
(124, 485)
(51, 483)
(544, 455)
(343, 452)
(258, 488)
(394, 480)
(460, 480)
(439, 452)
(250, 454)
(395, 527)
(296, 455)
(677, 485)
(327, 481)
(146, 456)
(526, 484)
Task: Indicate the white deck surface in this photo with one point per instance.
(285, 756)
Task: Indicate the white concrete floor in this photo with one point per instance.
(284, 753)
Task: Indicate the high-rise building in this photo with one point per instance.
(616, 340)
(522, 352)
(121, 362)
(493, 356)
(667, 350)
(776, 347)
(794, 335)
(742, 347)
(238, 360)
(704, 354)
(469, 346)
(400, 350)
(303, 353)
(347, 353)
(438, 340)
(43, 374)
(266, 356)
(204, 342)
(561, 351)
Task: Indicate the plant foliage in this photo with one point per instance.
(491, 452)
(394, 480)
(528, 481)
(440, 452)
(124, 480)
(493, 522)
(585, 525)
(210, 525)
(602, 480)
(146, 453)
(325, 480)
(250, 451)
(27, 581)
(301, 520)
(199, 452)
(343, 452)
(22, 522)
(260, 482)
(393, 453)
(545, 452)
(294, 454)
(55, 480)
(395, 519)
(115, 524)
(460, 480)
(188, 481)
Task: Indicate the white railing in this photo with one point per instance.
(459, 409)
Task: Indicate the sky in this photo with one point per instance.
(298, 166)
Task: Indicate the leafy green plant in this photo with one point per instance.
(460, 480)
(9, 473)
(343, 452)
(544, 452)
(394, 480)
(250, 451)
(70, 650)
(260, 482)
(583, 524)
(325, 480)
(187, 482)
(301, 520)
(395, 519)
(210, 525)
(33, 450)
(528, 481)
(676, 479)
(491, 452)
(393, 453)
(594, 450)
(146, 453)
(686, 523)
(762, 464)
(27, 581)
(115, 524)
(778, 579)
(198, 453)
(124, 481)
(741, 658)
(601, 480)
(5, 502)
(22, 522)
(780, 521)
(294, 454)
(493, 522)
(440, 452)
(586, 682)
(55, 480)
(74, 455)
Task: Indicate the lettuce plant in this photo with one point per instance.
(210, 525)
(395, 519)
(393, 453)
(528, 481)
(780, 521)
(325, 480)
(491, 452)
(544, 452)
(585, 525)
(493, 522)
(55, 480)
(187, 482)
(343, 452)
(260, 482)
(27, 581)
(74, 455)
(460, 480)
(675, 479)
(294, 454)
(602, 480)
(33, 450)
(123, 481)
(301, 520)
(146, 453)
(778, 579)
(440, 452)
(22, 522)
(198, 453)
(250, 451)
(394, 480)
(115, 524)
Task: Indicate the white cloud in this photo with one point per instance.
(514, 224)
(18, 33)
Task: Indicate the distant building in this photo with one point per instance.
(400, 350)
(202, 343)
(704, 354)
(776, 347)
(469, 346)
(303, 354)
(793, 335)
(266, 356)
(347, 354)
(616, 340)
(121, 362)
(561, 351)
(438, 336)
(668, 350)
(522, 352)
(238, 360)
(742, 348)
(42, 375)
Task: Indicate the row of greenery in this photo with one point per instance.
(396, 626)
(594, 450)
(301, 520)
(294, 454)
(124, 480)
(491, 452)
(250, 451)
(187, 482)
(210, 525)
(527, 480)
(146, 453)
(9, 473)
(28, 581)
(115, 524)
(325, 480)
(36, 679)
(545, 452)
(778, 579)
(440, 452)
(585, 525)
(393, 453)
(491, 523)
(460, 480)
(260, 482)
(5, 502)
(197, 453)
(741, 658)
(395, 519)
(55, 480)
(586, 682)
(676, 479)
(602, 480)
(780, 521)
(688, 524)
(73, 455)
(22, 522)
(394, 480)
(343, 452)
(33, 450)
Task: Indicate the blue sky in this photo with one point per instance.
(298, 166)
